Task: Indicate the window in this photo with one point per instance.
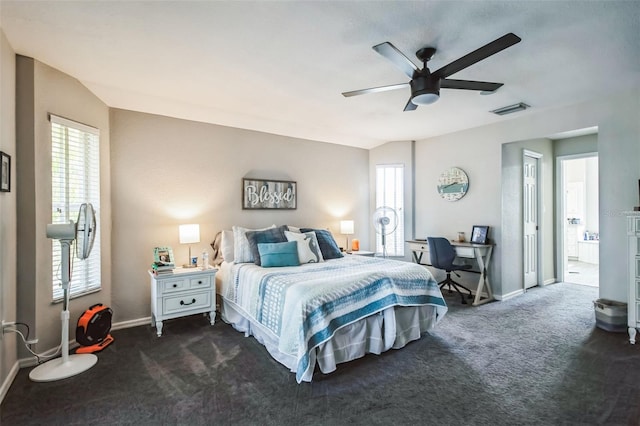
(390, 193)
(75, 179)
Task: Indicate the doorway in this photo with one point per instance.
(530, 217)
(579, 220)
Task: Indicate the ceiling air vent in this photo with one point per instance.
(521, 106)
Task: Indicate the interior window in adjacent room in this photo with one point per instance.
(390, 193)
(75, 179)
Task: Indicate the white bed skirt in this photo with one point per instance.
(392, 328)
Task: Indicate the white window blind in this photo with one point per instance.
(390, 193)
(75, 179)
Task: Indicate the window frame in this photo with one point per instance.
(392, 196)
(75, 179)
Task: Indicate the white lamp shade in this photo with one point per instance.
(189, 234)
(346, 227)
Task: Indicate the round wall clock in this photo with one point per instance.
(453, 184)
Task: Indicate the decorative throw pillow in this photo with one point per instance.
(226, 245)
(328, 245)
(271, 235)
(278, 254)
(241, 249)
(308, 248)
(293, 228)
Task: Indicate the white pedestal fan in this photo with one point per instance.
(83, 232)
(385, 222)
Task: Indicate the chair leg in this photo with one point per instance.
(457, 286)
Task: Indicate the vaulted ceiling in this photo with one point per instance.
(281, 66)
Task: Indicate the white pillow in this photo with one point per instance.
(226, 245)
(241, 249)
(293, 228)
(308, 247)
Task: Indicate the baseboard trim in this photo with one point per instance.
(131, 323)
(550, 281)
(507, 296)
(9, 380)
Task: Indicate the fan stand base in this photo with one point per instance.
(57, 369)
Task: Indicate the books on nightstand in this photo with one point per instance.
(162, 268)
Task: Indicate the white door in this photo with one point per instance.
(530, 220)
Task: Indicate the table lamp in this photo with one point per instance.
(346, 228)
(189, 234)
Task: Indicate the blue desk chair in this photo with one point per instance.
(442, 255)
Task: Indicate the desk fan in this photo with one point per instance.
(385, 222)
(83, 232)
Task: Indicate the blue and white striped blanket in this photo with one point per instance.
(304, 305)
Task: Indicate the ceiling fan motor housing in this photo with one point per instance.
(425, 89)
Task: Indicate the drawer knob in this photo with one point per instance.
(175, 285)
(200, 282)
(190, 303)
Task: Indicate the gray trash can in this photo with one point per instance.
(611, 315)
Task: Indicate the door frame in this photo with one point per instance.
(560, 210)
(539, 240)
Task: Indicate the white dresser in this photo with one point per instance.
(633, 307)
(183, 292)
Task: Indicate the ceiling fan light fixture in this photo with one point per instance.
(425, 90)
(425, 98)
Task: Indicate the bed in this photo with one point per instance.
(323, 313)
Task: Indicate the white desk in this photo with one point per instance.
(480, 252)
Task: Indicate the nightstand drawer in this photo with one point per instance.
(172, 285)
(185, 302)
(200, 282)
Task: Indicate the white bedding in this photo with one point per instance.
(330, 312)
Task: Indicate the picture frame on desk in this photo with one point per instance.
(479, 234)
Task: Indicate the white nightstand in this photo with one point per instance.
(363, 253)
(186, 291)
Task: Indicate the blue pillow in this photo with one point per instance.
(278, 254)
(271, 235)
(328, 245)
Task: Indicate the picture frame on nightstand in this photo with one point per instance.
(163, 255)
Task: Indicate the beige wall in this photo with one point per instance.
(42, 90)
(512, 229)
(167, 172)
(478, 151)
(8, 354)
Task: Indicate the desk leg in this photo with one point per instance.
(483, 264)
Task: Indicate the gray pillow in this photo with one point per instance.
(272, 235)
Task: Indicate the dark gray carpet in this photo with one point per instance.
(537, 359)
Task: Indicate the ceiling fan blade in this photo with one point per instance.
(410, 106)
(478, 55)
(484, 86)
(374, 90)
(390, 52)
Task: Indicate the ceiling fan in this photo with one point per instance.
(425, 85)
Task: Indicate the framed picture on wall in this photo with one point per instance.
(479, 234)
(269, 194)
(5, 172)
